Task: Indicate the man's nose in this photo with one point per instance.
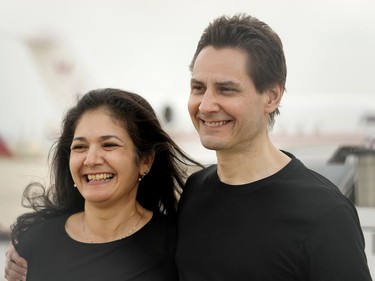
(209, 102)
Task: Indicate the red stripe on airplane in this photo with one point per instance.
(4, 150)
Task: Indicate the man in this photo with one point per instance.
(259, 214)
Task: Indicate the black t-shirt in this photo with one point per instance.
(293, 225)
(147, 255)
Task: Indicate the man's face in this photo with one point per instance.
(224, 106)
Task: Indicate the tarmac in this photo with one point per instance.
(15, 174)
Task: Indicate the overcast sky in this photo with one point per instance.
(146, 46)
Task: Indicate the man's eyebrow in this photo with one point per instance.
(195, 81)
(220, 84)
(227, 84)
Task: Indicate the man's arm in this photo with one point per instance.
(15, 266)
(336, 248)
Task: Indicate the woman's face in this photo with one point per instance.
(103, 161)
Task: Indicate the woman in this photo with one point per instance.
(110, 212)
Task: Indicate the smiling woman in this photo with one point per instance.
(110, 212)
(103, 160)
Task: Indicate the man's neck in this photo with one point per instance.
(250, 165)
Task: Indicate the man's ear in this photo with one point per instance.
(274, 96)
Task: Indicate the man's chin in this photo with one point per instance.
(212, 145)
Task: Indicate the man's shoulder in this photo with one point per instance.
(309, 188)
(209, 170)
(199, 178)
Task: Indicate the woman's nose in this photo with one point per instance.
(93, 157)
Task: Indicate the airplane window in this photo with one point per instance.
(167, 114)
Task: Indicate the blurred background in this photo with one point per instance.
(51, 51)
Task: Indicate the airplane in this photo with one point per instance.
(333, 134)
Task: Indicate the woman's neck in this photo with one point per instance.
(100, 226)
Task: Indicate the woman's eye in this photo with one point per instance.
(77, 147)
(110, 145)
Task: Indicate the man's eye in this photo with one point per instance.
(195, 89)
(227, 90)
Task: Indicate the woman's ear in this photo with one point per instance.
(274, 96)
(146, 164)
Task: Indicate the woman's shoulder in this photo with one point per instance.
(46, 226)
(160, 227)
(159, 234)
(41, 233)
(163, 222)
(51, 222)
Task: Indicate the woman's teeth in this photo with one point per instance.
(98, 177)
